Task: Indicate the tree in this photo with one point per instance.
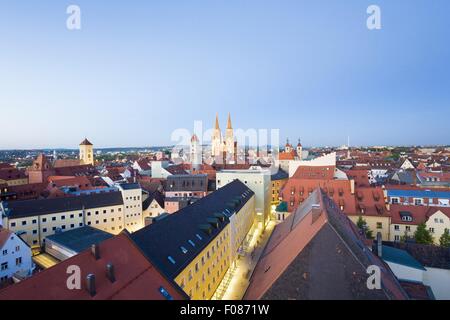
(362, 225)
(422, 235)
(444, 240)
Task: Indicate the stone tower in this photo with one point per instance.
(86, 152)
(216, 140)
(229, 139)
(299, 150)
(196, 152)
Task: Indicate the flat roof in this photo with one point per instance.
(80, 239)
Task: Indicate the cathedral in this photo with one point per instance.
(223, 147)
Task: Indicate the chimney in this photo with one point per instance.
(110, 274)
(316, 211)
(379, 245)
(95, 249)
(90, 284)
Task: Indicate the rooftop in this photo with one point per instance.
(26, 208)
(190, 228)
(80, 239)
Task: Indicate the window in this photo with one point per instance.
(24, 223)
(172, 260)
(53, 218)
(17, 248)
(34, 231)
(44, 230)
(432, 230)
(379, 225)
(13, 224)
(72, 216)
(80, 215)
(396, 228)
(184, 250)
(18, 261)
(397, 238)
(191, 243)
(34, 221)
(4, 266)
(44, 219)
(5, 252)
(408, 228)
(63, 217)
(165, 293)
(395, 200)
(418, 202)
(72, 226)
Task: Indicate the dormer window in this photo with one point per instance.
(172, 260)
(184, 250)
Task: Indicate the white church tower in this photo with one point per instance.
(196, 152)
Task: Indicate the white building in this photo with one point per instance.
(132, 203)
(258, 180)
(15, 257)
(323, 161)
(159, 169)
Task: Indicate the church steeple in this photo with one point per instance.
(229, 126)
(217, 127)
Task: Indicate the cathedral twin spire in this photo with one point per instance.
(220, 145)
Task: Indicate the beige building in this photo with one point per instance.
(86, 152)
(405, 220)
(259, 181)
(111, 211)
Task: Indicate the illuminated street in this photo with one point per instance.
(236, 280)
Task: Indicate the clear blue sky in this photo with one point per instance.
(140, 69)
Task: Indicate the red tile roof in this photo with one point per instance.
(12, 174)
(420, 214)
(136, 277)
(303, 253)
(339, 190)
(309, 172)
(361, 176)
(4, 236)
(370, 202)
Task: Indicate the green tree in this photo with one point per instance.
(444, 240)
(362, 225)
(422, 235)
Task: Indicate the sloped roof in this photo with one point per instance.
(401, 257)
(136, 277)
(20, 209)
(86, 142)
(164, 238)
(318, 254)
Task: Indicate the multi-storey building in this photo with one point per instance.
(111, 211)
(205, 238)
(258, 180)
(405, 220)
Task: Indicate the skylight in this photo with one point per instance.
(191, 243)
(198, 236)
(172, 260)
(184, 250)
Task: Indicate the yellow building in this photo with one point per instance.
(279, 179)
(12, 177)
(196, 246)
(376, 224)
(86, 152)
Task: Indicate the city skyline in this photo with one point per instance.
(134, 74)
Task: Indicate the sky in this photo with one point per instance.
(138, 70)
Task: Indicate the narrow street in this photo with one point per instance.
(236, 280)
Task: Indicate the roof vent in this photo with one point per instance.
(214, 222)
(95, 249)
(90, 284)
(206, 228)
(110, 274)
